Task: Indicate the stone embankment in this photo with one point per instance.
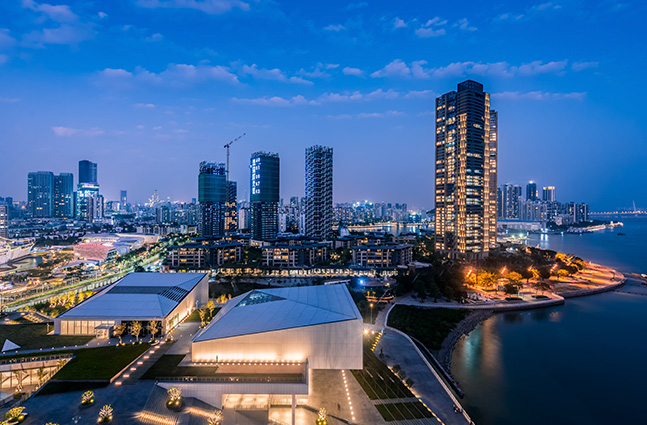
(464, 327)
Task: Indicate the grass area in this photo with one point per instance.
(163, 366)
(53, 387)
(428, 325)
(101, 363)
(378, 381)
(34, 336)
(403, 411)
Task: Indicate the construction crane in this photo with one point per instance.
(227, 147)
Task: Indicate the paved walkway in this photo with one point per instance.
(399, 350)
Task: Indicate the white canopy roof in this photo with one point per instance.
(137, 296)
(264, 310)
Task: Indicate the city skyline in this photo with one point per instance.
(177, 96)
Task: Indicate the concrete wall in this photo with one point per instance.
(196, 298)
(329, 346)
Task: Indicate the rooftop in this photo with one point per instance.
(266, 310)
(137, 296)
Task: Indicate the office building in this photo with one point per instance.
(264, 198)
(464, 208)
(231, 208)
(88, 172)
(212, 197)
(548, 194)
(40, 194)
(494, 166)
(4, 220)
(63, 196)
(531, 192)
(319, 185)
(511, 196)
(123, 199)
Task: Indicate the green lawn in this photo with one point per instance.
(195, 316)
(403, 411)
(101, 363)
(377, 380)
(430, 326)
(35, 336)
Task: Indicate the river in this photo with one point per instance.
(581, 363)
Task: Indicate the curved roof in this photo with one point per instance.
(137, 296)
(266, 310)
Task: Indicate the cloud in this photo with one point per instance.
(430, 32)
(397, 68)
(335, 28)
(538, 95)
(102, 15)
(271, 74)
(353, 71)
(357, 96)
(65, 34)
(58, 13)
(144, 105)
(546, 6)
(581, 66)
(359, 5)
(420, 94)
(154, 38)
(319, 71)
(464, 25)
(399, 23)
(418, 71)
(538, 67)
(275, 101)
(3, 59)
(5, 39)
(380, 114)
(174, 74)
(509, 17)
(9, 99)
(212, 7)
(70, 132)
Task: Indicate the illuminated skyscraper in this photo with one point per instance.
(4, 220)
(123, 199)
(319, 204)
(511, 205)
(531, 191)
(465, 208)
(548, 194)
(88, 205)
(63, 196)
(264, 198)
(40, 194)
(212, 197)
(231, 208)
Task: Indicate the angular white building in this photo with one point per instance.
(164, 297)
(319, 325)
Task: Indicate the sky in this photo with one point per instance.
(149, 88)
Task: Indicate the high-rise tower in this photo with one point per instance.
(89, 205)
(531, 191)
(264, 195)
(319, 202)
(212, 197)
(465, 210)
(87, 172)
(63, 206)
(40, 194)
(231, 208)
(548, 194)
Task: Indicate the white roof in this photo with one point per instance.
(265, 310)
(137, 296)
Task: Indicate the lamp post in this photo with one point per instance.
(371, 313)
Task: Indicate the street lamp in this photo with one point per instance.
(371, 313)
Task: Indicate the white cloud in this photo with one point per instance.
(435, 22)
(212, 7)
(546, 6)
(65, 34)
(581, 66)
(399, 23)
(271, 74)
(418, 71)
(420, 94)
(5, 39)
(357, 96)
(174, 74)
(144, 105)
(538, 95)
(464, 25)
(155, 37)
(509, 17)
(58, 13)
(538, 67)
(102, 15)
(70, 132)
(335, 28)
(430, 32)
(318, 71)
(380, 114)
(352, 71)
(275, 101)
(397, 68)
(358, 5)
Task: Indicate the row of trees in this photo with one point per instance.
(135, 329)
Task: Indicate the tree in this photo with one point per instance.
(119, 331)
(153, 328)
(514, 277)
(41, 374)
(510, 288)
(136, 329)
(19, 374)
(203, 314)
(541, 285)
(562, 273)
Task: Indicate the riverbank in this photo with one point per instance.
(464, 327)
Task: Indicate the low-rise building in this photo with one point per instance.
(388, 255)
(203, 254)
(291, 256)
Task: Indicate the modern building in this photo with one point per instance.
(285, 256)
(88, 172)
(212, 196)
(531, 192)
(494, 173)
(166, 298)
(384, 256)
(319, 192)
(63, 204)
(40, 194)
(548, 194)
(4, 220)
(123, 200)
(264, 198)
(463, 197)
(203, 254)
(511, 198)
(231, 208)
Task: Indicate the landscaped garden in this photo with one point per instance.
(378, 381)
(101, 363)
(430, 326)
(403, 411)
(34, 336)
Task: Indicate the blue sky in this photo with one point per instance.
(149, 88)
